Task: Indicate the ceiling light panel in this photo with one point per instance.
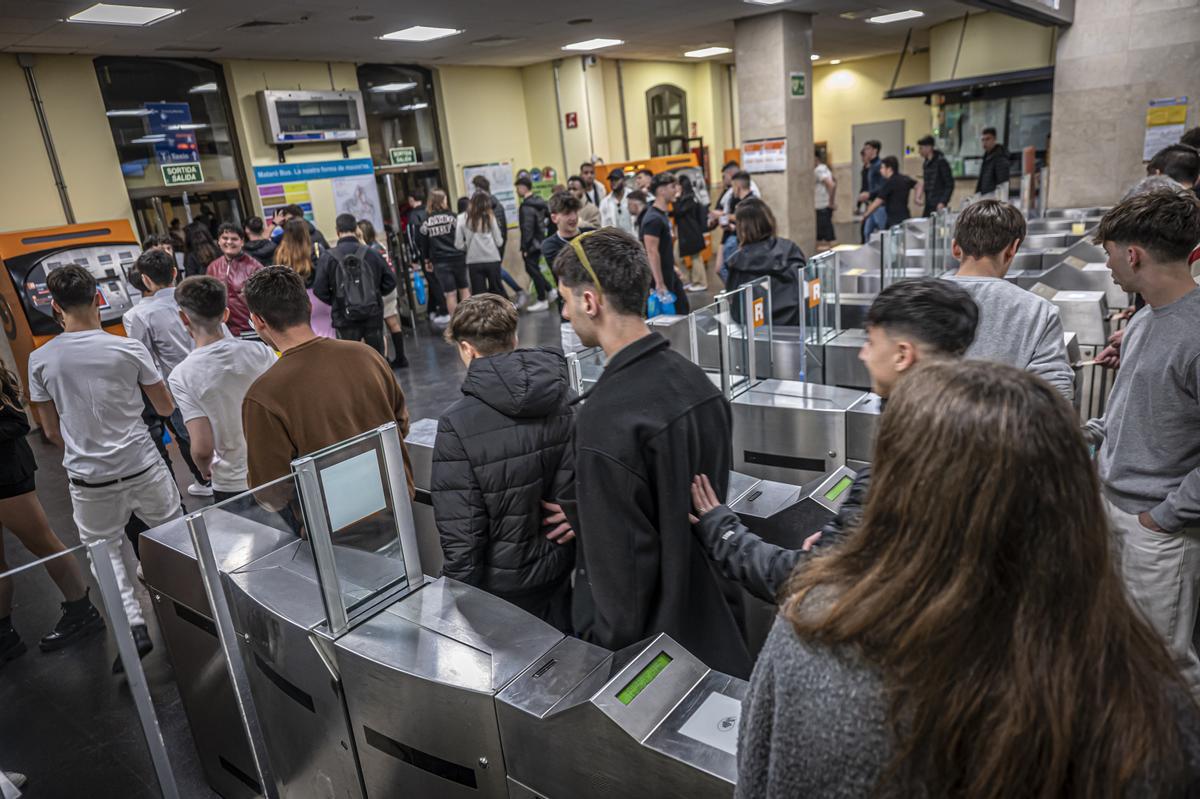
(766, 2)
(814, 57)
(898, 16)
(393, 87)
(705, 52)
(593, 44)
(419, 33)
(112, 14)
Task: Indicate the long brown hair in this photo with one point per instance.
(478, 211)
(754, 221)
(296, 248)
(10, 389)
(980, 582)
(438, 201)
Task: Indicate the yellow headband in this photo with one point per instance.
(577, 246)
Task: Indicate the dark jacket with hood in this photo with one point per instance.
(650, 424)
(939, 182)
(501, 222)
(993, 172)
(783, 261)
(533, 215)
(763, 568)
(325, 277)
(261, 250)
(691, 220)
(501, 449)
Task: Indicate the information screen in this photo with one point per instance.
(644, 678)
(839, 488)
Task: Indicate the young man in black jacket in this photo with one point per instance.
(533, 216)
(909, 322)
(353, 324)
(652, 421)
(502, 450)
(937, 185)
(993, 172)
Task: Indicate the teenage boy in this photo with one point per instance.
(282, 419)
(357, 316)
(910, 322)
(589, 214)
(872, 181)
(564, 213)
(937, 181)
(638, 203)
(501, 452)
(642, 179)
(892, 196)
(639, 569)
(234, 268)
(614, 208)
(660, 246)
(533, 215)
(155, 323)
(1149, 438)
(86, 386)
(994, 170)
(211, 382)
(1016, 327)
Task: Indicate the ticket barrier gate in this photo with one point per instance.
(316, 659)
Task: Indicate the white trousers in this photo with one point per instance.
(101, 513)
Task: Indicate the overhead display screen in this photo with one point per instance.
(644, 678)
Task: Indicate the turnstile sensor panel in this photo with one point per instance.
(644, 678)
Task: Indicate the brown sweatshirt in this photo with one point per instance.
(317, 394)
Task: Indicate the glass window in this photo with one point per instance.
(1020, 122)
(167, 112)
(666, 111)
(400, 111)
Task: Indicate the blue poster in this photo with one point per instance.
(313, 170)
(170, 126)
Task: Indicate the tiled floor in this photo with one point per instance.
(65, 721)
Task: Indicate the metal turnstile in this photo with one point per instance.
(422, 434)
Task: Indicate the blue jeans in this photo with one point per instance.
(510, 282)
(876, 221)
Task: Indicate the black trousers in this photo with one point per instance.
(532, 268)
(370, 333)
(486, 278)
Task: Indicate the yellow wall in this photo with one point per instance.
(852, 94)
(541, 118)
(245, 78)
(75, 113)
(991, 43)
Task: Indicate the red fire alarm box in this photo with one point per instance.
(572, 119)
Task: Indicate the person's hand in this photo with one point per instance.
(864, 196)
(832, 205)
(1145, 520)
(713, 217)
(811, 541)
(553, 516)
(1109, 357)
(704, 498)
(941, 206)
(1127, 313)
(660, 288)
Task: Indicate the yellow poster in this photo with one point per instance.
(1166, 120)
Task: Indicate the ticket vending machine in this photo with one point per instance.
(106, 249)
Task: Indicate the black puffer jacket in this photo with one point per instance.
(783, 261)
(501, 449)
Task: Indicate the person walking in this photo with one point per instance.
(993, 172)
(437, 239)
(353, 279)
(937, 182)
(824, 199)
(892, 195)
(477, 233)
(534, 216)
(298, 251)
(691, 220)
(761, 254)
(365, 233)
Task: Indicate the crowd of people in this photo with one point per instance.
(1004, 604)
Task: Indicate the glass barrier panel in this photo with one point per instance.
(820, 297)
(66, 719)
(892, 243)
(585, 368)
(740, 361)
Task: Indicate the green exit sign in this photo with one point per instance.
(798, 83)
(181, 174)
(403, 155)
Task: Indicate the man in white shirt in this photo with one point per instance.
(211, 382)
(594, 190)
(823, 199)
(614, 208)
(155, 323)
(86, 386)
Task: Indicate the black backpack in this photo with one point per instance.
(356, 286)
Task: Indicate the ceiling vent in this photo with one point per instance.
(497, 41)
(258, 24)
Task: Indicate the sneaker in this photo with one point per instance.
(11, 646)
(141, 637)
(200, 490)
(444, 319)
(522, 301)
(552, 296)
(79, 619)
(17, 779)
(400, 363)
(540, 305)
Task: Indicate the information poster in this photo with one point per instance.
(289, 184)
(169, 126)
(358, 195)
(500, 177)
(764, 155)
(1166, 120)
(274, 196)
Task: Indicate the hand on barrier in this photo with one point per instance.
(704, 498)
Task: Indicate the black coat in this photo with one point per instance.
(762, 568)
(939, 182)
(651, 422)
(501, 222)
(993, 173)
(325, 277)
(533, 216)
(16, 456)
(783, 260)
(261, 250)
(501, 449)
(691, 220)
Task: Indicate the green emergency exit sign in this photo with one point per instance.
(798, 81)
(403, 155)
(181, 174)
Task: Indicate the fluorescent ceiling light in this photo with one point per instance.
(393, 87)
(766, 2)
(898, 16)
(111, 14)
(187, 126)
(705, 52)
(836, 61)
(153, 138)
(593, 44)
(814, 57)
(203, 88)
(419, 33)
(129, 112)
(414, 106)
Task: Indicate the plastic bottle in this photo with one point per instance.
(419, 287)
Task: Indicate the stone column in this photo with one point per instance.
(767, 49)
(1117, 57)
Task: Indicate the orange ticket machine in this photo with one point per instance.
(106, 249)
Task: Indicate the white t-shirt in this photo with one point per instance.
(92, 377)
(821, 199)
(212, 382)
